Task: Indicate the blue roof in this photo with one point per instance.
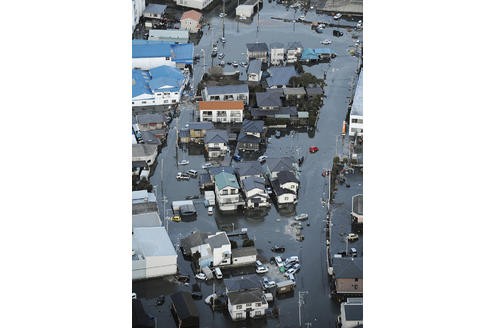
(180, 53)
(324, 51)
(161, 78)
(140, 83)
(308, 53)
(183, 53)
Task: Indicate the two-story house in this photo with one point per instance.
(277, 53)
(226, 92)
(195, 132)
(282, 195)
(268, 100)
(221, 111)
(246, 299)
(227, 192)
(280, 76)
(251, 135)
(288, 180)
(274, 165)
(294, 50)
(190, 21)
(257, 50)
(216, 143)
(147, 122)
(347, 276)
(248, 169)
(254, 70)
(213, 249)
(255, 192)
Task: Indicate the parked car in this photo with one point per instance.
(182, 176)
(352, 237)
(184, 162)
(278, 249)
(206, 165)
(235, 64)
(292, 259)
(236, 158)
(291, 277)
(262, 158)
(192, 173)
(210, 210)
(313, 149)
(218, 273)
(337, 16)
(268, 284)
(261, 269)
(279, 261)
(301, 217)
(258, 263)
(221, 55)
(294, 269)
(176, 218)
(337, 33)
(326, 41)
(353, 252)
(319, 30)
(201, 276)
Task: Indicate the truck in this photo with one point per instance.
(285, 286)
(207, 271)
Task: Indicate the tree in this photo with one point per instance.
(247, 243)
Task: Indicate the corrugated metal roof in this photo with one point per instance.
(268, 99)
(280, 76)
(216, 136)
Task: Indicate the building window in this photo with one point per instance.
(238, 316)
(356, 279)
(257, 313)
(143, 102)
(248, 304)
(258, 304)
(238, 307)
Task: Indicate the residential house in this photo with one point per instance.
(282, 195)
(357, 212)
(161, 85)
(147, 122)
(294, 50)
(221, 111)
(294, 93)
(146, 219)
(226, 92)
(216, 143)
(351, 313)
(251, 135)
(144, 152)
(148, 54)
(254, 70)
(248, 169)
(277, 53)
(245, 299)
(257, 51)
(356, 116)
(191, 21)
(151, 138)
(268, 100)
(308, 55)
(227, 191)
(348, 276)
(153, 254)
(196, 131)
(205, 182)
(144, 202)
(255, 192)
(196, 4)
(244, 255)
(274, 165)
(173, 36)
(290, 113)
(288, 180)
(154, 11)
(280, 76)
(313, 92)
(184, 310)
(213, 249)
(246, 10)
(193, 240)
(140, 168)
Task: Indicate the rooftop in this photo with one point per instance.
(357, 102)
(357, 204)
(276, 45)
(286, 176)
(353, 312)
(251, 183)
(244, 251)
(150, 219)
(247, 138)
(294, 45)
(156, 79)
(294, 91)
(248, 168)
(194, 239)
(225, 179)
(348, 267)
(218, 240)
(278, 190)
(241, 284)
(184, 305)
(278, 164)
(221, 105)
(153, 241)
(150, 118)
(256, 47)
(253, 126)
(143, 196)
(139, 150)
(280, 75)
(314, 91)
(168, 34)
(227, 89)
(153, 8)
(268, 99)
(280, 112)
(180, 53)
(254, 66)
(216, 136)
(199, 125)
(192, 14)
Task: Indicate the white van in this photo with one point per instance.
(218, 273)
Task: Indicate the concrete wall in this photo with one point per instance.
(244, 259)
(191, 25)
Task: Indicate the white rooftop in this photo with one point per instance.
(357, 103)
(150, 219)
(153, 241)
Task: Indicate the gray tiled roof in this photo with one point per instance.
(243, 297)
(277, 164)
(195, 239)
(244, 251)
(314, 91)
(200, 125)
(268, 99)
(254, 66)
(150, 118)
(139, 150)
(286, 176)
(218, 241)
(294, 92)
(244, 283)
(279, 190)
(216, 136)
(261, 46)
(247, 138)
(294, 45)
(227, 89)
(248, 168)
(280, 75)
(276, 45)
(348, 267)
(150, 138)
(251, 183)
(353, 312)
(253, 126)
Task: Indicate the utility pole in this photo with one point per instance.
(301, 302)
(223, 20)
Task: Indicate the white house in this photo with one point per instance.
(256, 194)
(221, 111)
(153, 254)
(196, 4)
(245, 298)
(254, 70)
(277, 53)
(161, 85)
(356, 117)
(191, 21)
(288, 180)
(283, 196)
(244, 255)
(351, 313)
(227, 191)
(294, 50)
(216, 143)
(226, 92)
(214, 251)
(144, 152)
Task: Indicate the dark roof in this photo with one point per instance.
(357, 204)
(244, 251)
(248, 296)
(280, 75)
(184, 133)
(227, 89)
(286, 176)
(256, 126)
(257, 47)
(149, 138)
(248, 168)
(218, 241)
(248, 138)
(278, 91)
(276, 45)
(140, 319)
(314, 91)
(278, 164)
(216, 136)
(139, 164)
(353, 312)
(279, 190)
(241, 284)
(150, 118)
(195, 239)
(254, 66)
(348, 267)
(291, 111)
(294, 91)
(205, 178)
(185, 308)
(251, 183)
(218, 169)
(268, 99)
(294, 45)
(200, 125)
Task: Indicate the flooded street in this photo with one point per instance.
(273, 227)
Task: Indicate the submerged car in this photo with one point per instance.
(261, 269)
(337, 16)
(201, 276)
(184, 162)
(176, 218)
(301, 217)
(262, 158)
(210, 210)
(278, 249)
(352, 237)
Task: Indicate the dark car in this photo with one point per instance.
(160, 300)
(278, 249)
(197, 295)
(337, 33)
(237, 158)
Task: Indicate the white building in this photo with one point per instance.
(227, 191)
(256, 194)
(221, 111)
(226, 92)
(191, 21)
(283, 196)
(247, 9)
(277, 53)
(245, 298)
(351, 313)
(137, 11)
(356, 117)
(254, 70)
(216, 143)
(214, 251)
(154, 10)
(294, 50)
(153, 254)
(196, 4)
(244, 255)
(144, 152)
(161, 85)
(143, 220)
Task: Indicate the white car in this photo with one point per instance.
(261, 269)
(326, 41)
(352, 236)
(222, 15)
(279, 261)
(134, 296)
(184, 162)
(201, 276)
(210, 210)
(301, 217)
(262, 158)
(337, 16)
(206, 165)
